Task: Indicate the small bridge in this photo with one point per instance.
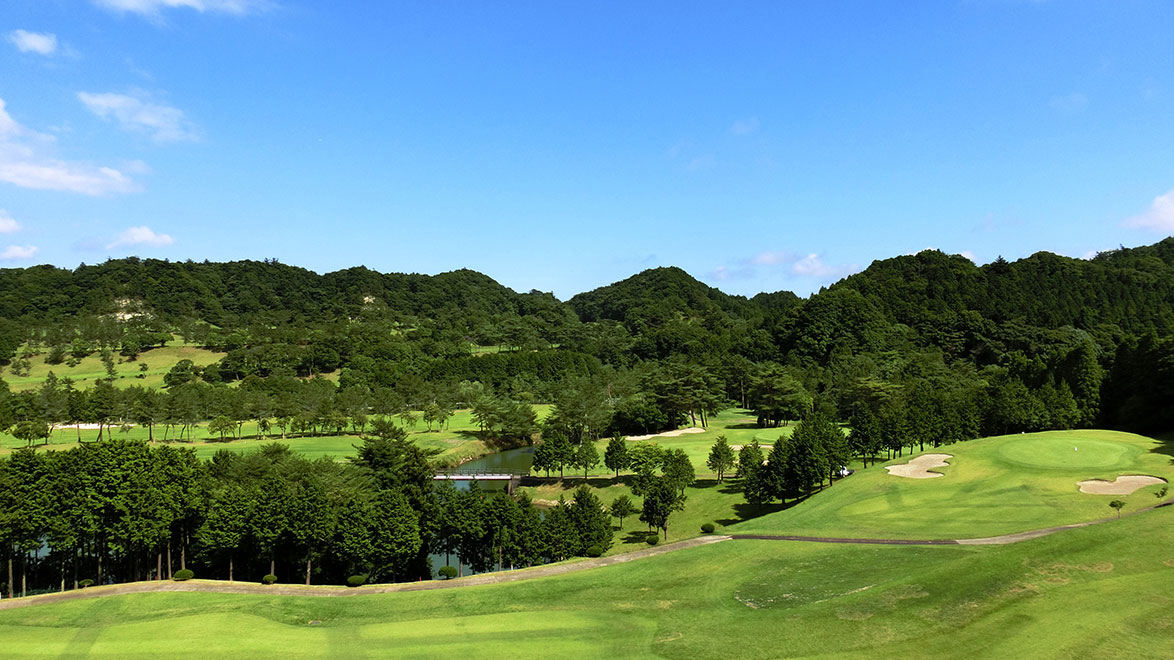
(512, 479)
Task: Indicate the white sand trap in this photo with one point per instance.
(1123, 485)
(668, 434)
(919, 468)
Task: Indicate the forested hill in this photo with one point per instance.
(1132, 289)
(928, 320)
(229, 293)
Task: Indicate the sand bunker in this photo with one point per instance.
(1122, 485)
(919, 468)
(668, 434)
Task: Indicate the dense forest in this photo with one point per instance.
(914, 350)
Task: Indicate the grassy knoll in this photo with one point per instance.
(991, 486)
(1098, 592)
(457, 442)
(158, 360)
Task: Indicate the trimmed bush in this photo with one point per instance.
(447, 572)
(707, 528)
(593, 551)
(185, 574)
(652, 539)
(85, 583)
(356, 580)
(269, 579)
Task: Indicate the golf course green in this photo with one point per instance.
(1101, 591)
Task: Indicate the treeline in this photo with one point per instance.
(121, 510)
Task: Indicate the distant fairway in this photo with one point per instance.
(1097, 592)
(991, 486)
(158, 360)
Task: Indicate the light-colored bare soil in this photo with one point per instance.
(1122, 485)
(668, 434)
(919, 468)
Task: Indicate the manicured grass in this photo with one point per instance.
(706, 501)
(1097, 592)
(158, 360)
(456, 442)
(991, 486)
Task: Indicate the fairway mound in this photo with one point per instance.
(668, 434)
(1123, 485)
(919, 468)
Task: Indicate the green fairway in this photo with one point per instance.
(158, 360)
(1098, 592)
(991, 486)
(457, 442)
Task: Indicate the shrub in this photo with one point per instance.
(85, 583)
(447, 572)
(185, 574)
(707, 528)
(269, 579)
(652, 539)
(356, 580)
(593, 551)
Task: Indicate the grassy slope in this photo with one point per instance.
(1094, 592)
(992, 486)
(159, 361)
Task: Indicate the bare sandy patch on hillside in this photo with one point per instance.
(1123, 485)
(919, 468)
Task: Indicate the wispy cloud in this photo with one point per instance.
(1159, 217)
(7, 224)
(1069, 103)
(41, 43)
(154, 7)
(789, 264)
(138, 114)
(14, 252)
(744, 126)
(27, 161)
(140, 237)
(812, 265)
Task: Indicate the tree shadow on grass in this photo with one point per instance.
(1165, 444)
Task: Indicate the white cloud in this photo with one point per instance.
(153, 7)
(19, 252)
(41, 43)
(1069, 103)
(7, 224)
(745, 126)
(141, 236)
(770, 258)
(27, 161)
(139, 115)
(969, 255)
(813, 266)
(1159, 217)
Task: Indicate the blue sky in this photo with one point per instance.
(562, 146)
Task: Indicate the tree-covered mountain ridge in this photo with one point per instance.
(1130, 287)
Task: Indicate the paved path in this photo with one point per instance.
(221, 587)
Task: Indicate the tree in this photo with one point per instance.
(661, 499)
(1117, 505)
(721, 457)
(586, 456)
(622, 507)
(591, 521)
(678, 469)
(29, 430)
(615, 457)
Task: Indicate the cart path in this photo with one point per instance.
(500, 577)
